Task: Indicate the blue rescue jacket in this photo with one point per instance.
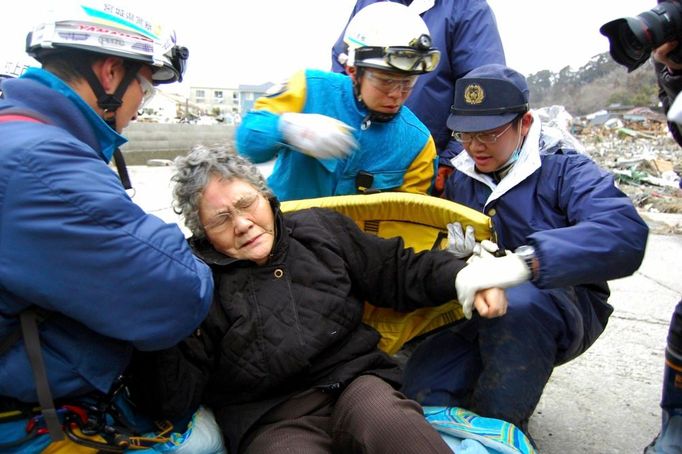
(73, 243)
(465, 32)
(399, 154)
(583, 228)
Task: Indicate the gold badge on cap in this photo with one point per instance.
(474, 94)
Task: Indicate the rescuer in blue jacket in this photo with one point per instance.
(560, 212)
(105, 276)
(465, 32)
(334, 134)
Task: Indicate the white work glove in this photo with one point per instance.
(461, 244)
(486, 249)
(317, 135)
(501, 272)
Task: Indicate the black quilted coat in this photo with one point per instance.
(295, 323)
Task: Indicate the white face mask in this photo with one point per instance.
(506, 168)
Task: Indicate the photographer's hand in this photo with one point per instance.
(660, 54)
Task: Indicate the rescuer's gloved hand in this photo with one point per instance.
(502, 272)
(486, 249)
(461, 244)
(317, 135)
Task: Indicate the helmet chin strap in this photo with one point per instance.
(110, 103)
(372, 115)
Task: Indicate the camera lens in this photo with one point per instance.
(631, 39)
(628, 42)
(632, 46)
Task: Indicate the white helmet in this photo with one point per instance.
(102, 27)
(390, 36)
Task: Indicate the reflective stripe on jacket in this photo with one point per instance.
(400, 154)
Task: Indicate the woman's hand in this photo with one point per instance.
(491, 303)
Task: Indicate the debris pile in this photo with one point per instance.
(645, 160)
(636, 146)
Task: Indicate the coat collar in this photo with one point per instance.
(101, 137)
(205, 251)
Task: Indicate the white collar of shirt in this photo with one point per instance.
(527, 163)
(419, 6)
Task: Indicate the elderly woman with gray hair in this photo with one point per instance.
(283, 358)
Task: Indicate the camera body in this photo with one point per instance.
(632, 39)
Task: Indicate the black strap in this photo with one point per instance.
(29, 327)
(122, 169)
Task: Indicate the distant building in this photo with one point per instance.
(216, 101)
(204, 104)
(165, 108)
(249, 94)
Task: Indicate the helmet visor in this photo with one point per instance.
(174, 68)
(178, 59)
(407, 59)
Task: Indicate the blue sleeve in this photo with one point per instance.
(605, 238)
(258, 136)
(452, 149)
(79, 246)
(472, 36)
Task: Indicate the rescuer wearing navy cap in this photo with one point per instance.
(563, 215)
(489, 97)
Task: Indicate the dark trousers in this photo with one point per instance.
(369, 416)
(499, 367)
(672, 378)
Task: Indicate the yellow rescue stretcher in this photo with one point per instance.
(421, 221)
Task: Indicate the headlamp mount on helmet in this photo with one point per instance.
(392, 37)
(178, 59)
(422, 43)
(417, 58)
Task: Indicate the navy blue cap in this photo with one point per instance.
(488, 97)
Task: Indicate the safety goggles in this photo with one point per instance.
(387, 85)
(148, 90)
(406, 59)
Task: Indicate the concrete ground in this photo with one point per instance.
(607, 400)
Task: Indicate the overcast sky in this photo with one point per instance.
(255, 41)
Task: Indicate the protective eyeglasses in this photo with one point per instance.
(483, 137)
(405, 59)
(388, 85)
(148, 90)
(245, 206)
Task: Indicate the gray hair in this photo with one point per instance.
(193, 172)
